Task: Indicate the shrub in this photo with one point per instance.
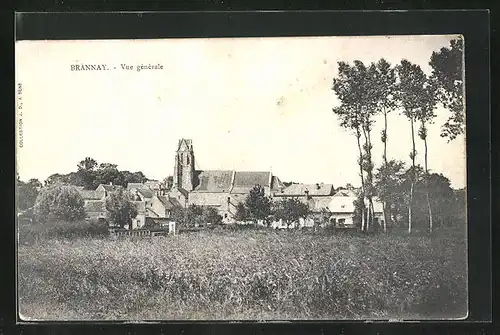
(59, 203)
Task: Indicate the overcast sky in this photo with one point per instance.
(247, 104)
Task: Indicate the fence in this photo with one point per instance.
(143, 232)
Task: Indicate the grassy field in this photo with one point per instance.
(244, 275)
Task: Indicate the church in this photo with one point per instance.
(222, 189)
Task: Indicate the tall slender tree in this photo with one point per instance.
(368, 84)
(385, 102)
(349, 113)
(426, 115)
(411, 85)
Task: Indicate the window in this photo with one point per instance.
(341, 221)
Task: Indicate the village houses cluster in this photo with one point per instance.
(223, 190)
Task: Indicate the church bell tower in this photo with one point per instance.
(184, 165)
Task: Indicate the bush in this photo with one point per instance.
(30, 233)
(59, 203)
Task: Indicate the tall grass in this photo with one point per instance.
(247, 274)
(31, 233)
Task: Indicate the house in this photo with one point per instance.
(341, 208)
(95, 209)
(156, 204)
(140, 220)
(155, 185)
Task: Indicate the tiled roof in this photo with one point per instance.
(312, 189)
(251, 178)
(217, 181)
(175, 202)
(131, 186)
(346, 193)
(91, 195)
(146, 192)
(160, 220)
(276, 183)
(109, 188)
(168, 202)
(151, 213)
(95, 206)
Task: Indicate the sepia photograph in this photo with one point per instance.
(260, 179)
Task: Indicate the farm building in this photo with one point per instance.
(341, 207)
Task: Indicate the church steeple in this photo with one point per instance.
(184, 165)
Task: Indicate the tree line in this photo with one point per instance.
(258, 206)
(89, 175)
(367, 91)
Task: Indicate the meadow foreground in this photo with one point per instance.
(249, 274)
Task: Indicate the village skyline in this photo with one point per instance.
(247, 104)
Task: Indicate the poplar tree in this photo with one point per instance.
(426, 116)
(411, 86)
(386, 101)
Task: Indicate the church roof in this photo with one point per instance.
(251, 178)
(217, 181)
(244, 181)
(187, 142)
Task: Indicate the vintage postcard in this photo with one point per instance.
(291, 178)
